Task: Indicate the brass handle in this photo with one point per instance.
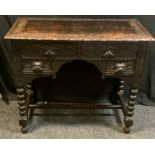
(37, 66)
(49, 52)
(119, 67)
(109, 53)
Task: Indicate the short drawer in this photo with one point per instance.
(109, 50)
(36, 66)
(119, 67)
(48, 50)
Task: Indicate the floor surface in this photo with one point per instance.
(75, 124)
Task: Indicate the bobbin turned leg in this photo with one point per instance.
(22, 109)
(128, 121)
(121, 86)
(29, 98)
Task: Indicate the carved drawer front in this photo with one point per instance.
(60, 50)
(33, 49)
(48, 50)
(119, 67)
(36, 66)
(109, 50)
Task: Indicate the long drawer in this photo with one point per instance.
(47, 50)
(102, 50)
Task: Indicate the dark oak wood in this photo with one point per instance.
(52, 105)
(78, 29)
(22, 109)
(41, 46)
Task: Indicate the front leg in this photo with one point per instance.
(128, 121)
(29, 99)
(22, 109)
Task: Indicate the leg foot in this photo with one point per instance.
(24, 129)
(126, 130)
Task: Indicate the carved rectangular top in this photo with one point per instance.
(78, 29)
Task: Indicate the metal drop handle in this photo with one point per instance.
(50, 52)
(109, 53)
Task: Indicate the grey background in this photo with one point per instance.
(147, 87)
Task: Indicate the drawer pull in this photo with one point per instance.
(120, 67)
(109, 54)
(50, 52)
(37, 66)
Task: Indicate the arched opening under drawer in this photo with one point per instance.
(76, 81)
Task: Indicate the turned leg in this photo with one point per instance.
(128, 121)
(128, 109)
(121, 86)
(29, 99)
(22, 109)
(121, 98)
